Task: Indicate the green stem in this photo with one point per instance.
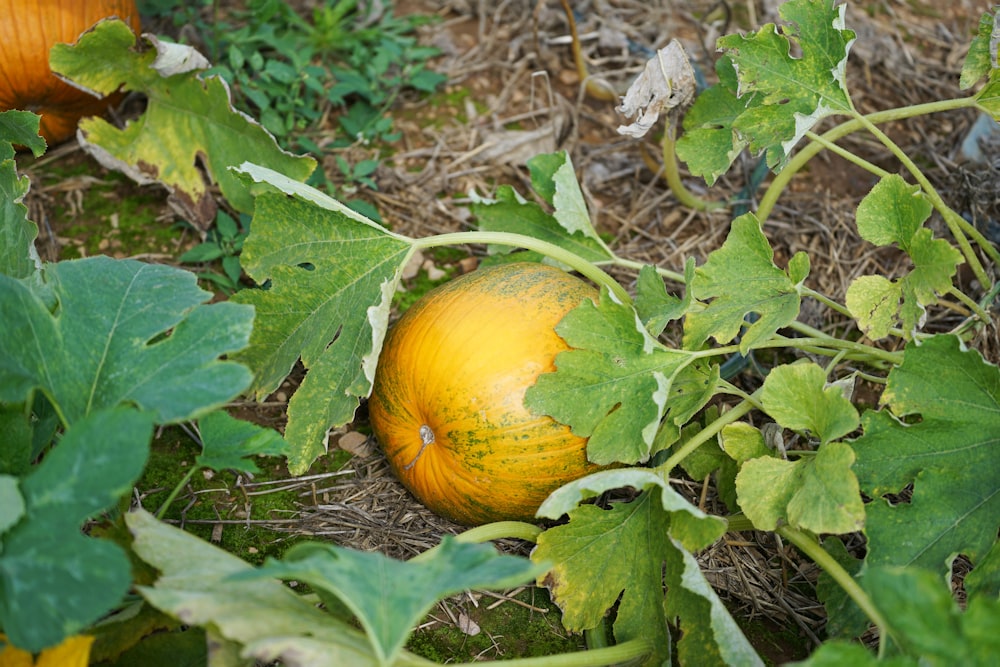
(951, 218)
(671, 173)
(174, 493)
(839, 344)
(738, 523)
(827, 301)
(811, 548)
(970, 303)
(810, 150)
(848, 155)
(665, 273)
(560, 254)
(499, 530)
(612, 655)
(702, 436)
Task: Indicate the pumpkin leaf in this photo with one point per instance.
(940, 426)
(508, 212)
(229, 442)
(740, 279)
(103, 332)
(655, 307)
(894, 213)
(818, 493)
(694, 530)
(553, 178)
(96, 461)
(20, 127)
(199, 584)
(798, 398)
(796, 92)
(18, 258)
(979, 61)
(709, 145)
(189, 121)
(368, 583)
(620, 555)
(327, 277)
(937, 630)
(614, 386)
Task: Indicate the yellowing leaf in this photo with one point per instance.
(189, 122)
(798, 398)
(72, 652)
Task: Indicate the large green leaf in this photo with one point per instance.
(327, 277)
(980, 61)
(937, 630)
(614, 386)
(508, 212)
(199, 584)
(103, 332)
(740, 279)
(189, 122)
(710, 144)
(692, 527)
(796, 91)
(620, 554)
(54, 581)
(940, 434)
(389, 597)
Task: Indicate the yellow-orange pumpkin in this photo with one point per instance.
(447, 405)
(28, 30)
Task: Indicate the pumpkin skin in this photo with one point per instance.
(447, 405)
(28, 30)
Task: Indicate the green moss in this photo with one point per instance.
(107, 214)
(216, 497)
(508, 630)
(775, 644)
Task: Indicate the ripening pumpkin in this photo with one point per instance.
(28, 30)
(447, 405)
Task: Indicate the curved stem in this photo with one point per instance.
(799, 160)
(970, 303)
(596, 88)
(950, 217)
(611, 655)
(821, 557)
(665, 273)
(837, 343)
(672, 175)
(558, 253)
(738, 523)
(826, 301)
(848, 155)
(499, 530)
(702, 436)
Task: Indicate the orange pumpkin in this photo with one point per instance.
(447, 404)
(28, 30)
